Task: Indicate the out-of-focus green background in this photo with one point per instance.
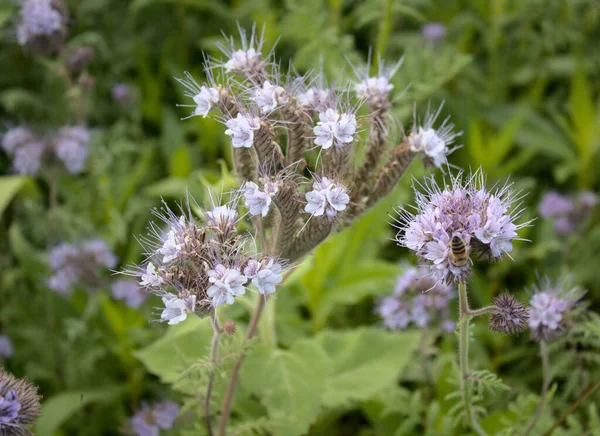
(519, 78)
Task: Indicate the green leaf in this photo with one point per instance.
(9, 186)
(364, 362)
(178, 349)
(293, 384)
(61, 407)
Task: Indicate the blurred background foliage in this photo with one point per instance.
(520, 79)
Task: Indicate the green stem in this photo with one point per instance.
(545, 385)
(463, 353)
(214, 352)
(482, 311)
(385, 27)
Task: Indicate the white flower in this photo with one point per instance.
(313, 97)
(317, 201)
(205, 100)
(242, 59)
(171, 247)
(241, 130)
(333, 129)
(373, 86)
(175, 310)
(269, 96)
(252, 268)
(227, 284)
(151, 277)
(222, 218)
(337, 198)
(268, 278)
(257, 201)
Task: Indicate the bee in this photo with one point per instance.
(459, 251)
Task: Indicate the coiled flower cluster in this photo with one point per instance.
(30, 151)
(417, 299)
(196, 268)
(19, 405)
(79, 265)
(551, 307)
(295, 139)
(483, 221)
(150, 420)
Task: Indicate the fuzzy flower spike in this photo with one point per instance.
(19, 405)
(462, 219)
(435, 144)
(552, 304)
(375, 89)
(247, 60)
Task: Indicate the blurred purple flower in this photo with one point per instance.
(554, 204)
(6, 348)
(433, 32)
(71, 145)
(148, 421)
(130, 292)
(121, 93)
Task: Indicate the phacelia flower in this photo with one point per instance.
(6, 348)
(130, 292)
(177, 309)
(326, 198)
(71, 146)
(483, 222)
(551, 304)
(375, 89)
(151, 278)
(257, 201)
(315, 98)
(334, 129)
(265, 275)
(269, 96)
(121, 94)
(227, 283)
(569, 212)
(25, 148)
(222, 219)
(241, 130)
(19, 405)
(511, 316)
(39, 19)
(417, 299)
(433, 32)
(434, 143)
(246, 60)
(79, 265)
(149, 420)
(553, 204)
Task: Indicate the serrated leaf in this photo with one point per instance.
(364, 362)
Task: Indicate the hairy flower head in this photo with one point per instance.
(19, 405)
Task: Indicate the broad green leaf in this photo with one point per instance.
(178, 349)
(9, 186)
(364, 362)
(293, 384)
(61, 407)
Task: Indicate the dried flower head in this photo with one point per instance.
(228, 327)
(79, 264)
(463, 216)
(19, 405)
(511, 316)
(149, 420)
(551, 307)
(416, 299)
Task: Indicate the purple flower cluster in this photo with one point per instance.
(433, 32)
(121, 94)
(149, 420)
(197, 268)
(484, 221)
(416, 299)
(551, 304)
(130, 291)
(6, 348)
(569, 212)
(19, 405)
(38, 18)
(28, 150)
(79, 264)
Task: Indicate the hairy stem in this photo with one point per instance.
(463, 353)
(545, 385)
(584, 396)
(214, 353)
(235, 373)
(482, 311)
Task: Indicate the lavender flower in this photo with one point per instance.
(569, 212)
(511, 316)
(6, 348)
(130, 292)
(227, 283)
(334, 129)
(39, 19)
(257, 201)
(315, 98)
(375, 89)
(149, 420)
(326, 198)
(241, 130)
(551, 305)
(553, 204)
(79, 265)
(247, 60)
(19, 405)
(484, 221)
(71, 145)
(433, 32)
(121, 94)
(265, 275)
(25, 148)
(417, 298)
(269, 96)
(177, 309)
(434, 143)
